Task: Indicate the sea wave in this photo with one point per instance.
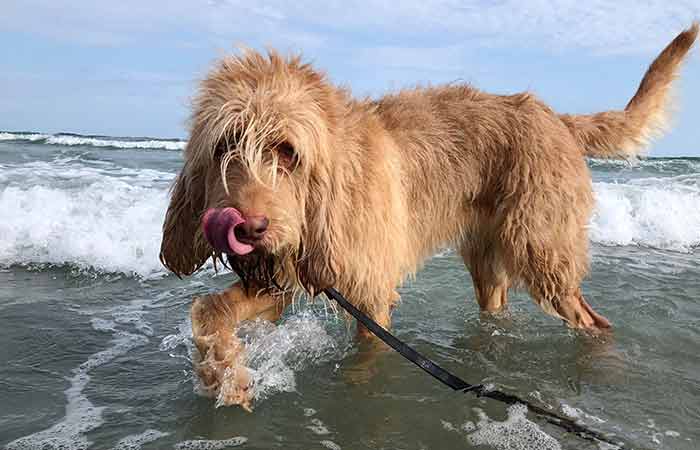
(661, 213)
(650, 167)
(93, 141)
(85, 217)
(109, 218)
(5, 136)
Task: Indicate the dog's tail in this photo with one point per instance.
(624, 134)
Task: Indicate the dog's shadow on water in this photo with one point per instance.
(513, 348)
(363, 365)
(509, 347)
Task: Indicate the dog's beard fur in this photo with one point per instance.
(258, 270)
(278, 273)
(267, 272)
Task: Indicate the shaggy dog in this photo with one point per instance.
(297, 186)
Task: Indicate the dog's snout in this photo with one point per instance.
(252, 230)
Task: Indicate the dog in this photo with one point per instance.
(297, 186)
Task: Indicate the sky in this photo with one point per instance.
(130, 67)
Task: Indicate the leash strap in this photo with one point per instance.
(407, 352)
(459, 384)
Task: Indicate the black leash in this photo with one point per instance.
(459, 384)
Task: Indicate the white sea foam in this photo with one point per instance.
(91, 218)
(318, 427)
(136, 441)
(448, 426)
(4, 136)
(272, 352)
(576, 413)
(514, 433)
(655, 212)
(81, 415)
(99, 324)
(73, 140)
(211, 444)
(109, 218)
(183, 338)
(116, 143)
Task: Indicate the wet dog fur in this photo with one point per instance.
(360, 192)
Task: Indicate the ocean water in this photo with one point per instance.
(96, 349)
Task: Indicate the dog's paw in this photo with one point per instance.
(236, 388)
(221, 370)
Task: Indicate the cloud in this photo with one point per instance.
(137, 62)
(623, 26)
(598, 25)
(436, 59)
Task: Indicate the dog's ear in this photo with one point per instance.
(317, 268)
(183, 249)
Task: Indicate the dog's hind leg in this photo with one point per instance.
(573, 309)
(491, 281)
(214, 321)
(555, 288)
(543, 232)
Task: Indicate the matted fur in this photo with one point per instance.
(378, 185)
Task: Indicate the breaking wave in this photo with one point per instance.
(661, 213)
(108, 218)
(5, 136)
(93, 141)
(98, 219)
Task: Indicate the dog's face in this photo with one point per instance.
(256, 172)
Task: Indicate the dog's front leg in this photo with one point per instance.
(363, 366)
(381, 314)
(214, 321)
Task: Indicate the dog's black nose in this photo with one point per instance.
(252, 230)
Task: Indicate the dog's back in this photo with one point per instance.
(503, 178)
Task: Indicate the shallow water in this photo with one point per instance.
(97, 353)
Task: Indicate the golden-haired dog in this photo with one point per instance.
(298, 186)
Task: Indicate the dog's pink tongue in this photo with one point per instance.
(219, 229)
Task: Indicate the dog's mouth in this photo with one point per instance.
(219, 226)
(256, 269)
(252, 263)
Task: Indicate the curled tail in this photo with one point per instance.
(624, 134)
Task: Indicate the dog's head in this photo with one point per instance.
(257, 184)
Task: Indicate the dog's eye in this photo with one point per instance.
(226, 144)
(287, 155)
(220, 150)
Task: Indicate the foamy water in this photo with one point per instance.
(93, 141)
(109, 218)
(136, 441)
(64, 213)
(655, 212)
(82, 416)
(517, 432)
(119, 346)
(272, 351)
(31, 137)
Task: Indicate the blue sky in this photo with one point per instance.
(129, 68)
